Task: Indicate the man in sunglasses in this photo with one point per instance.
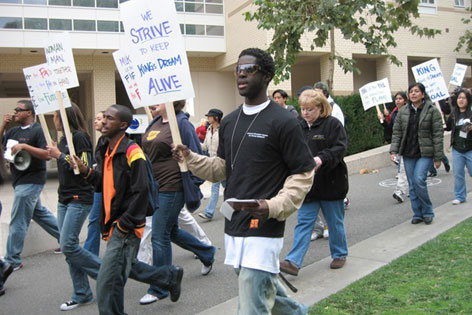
(263, 156)
(28, 183)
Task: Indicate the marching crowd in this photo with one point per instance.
(137, 194)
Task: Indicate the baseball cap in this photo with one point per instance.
(215, 113)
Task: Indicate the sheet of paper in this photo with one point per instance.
(226, 210)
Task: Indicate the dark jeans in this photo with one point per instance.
(1, 273)
(92, 243)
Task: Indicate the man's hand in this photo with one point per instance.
(17, 147)
(260, 212)
(80, 165)
(179, 152)
(437, 164)
(393, 157)
(53, 150)
(6, 119)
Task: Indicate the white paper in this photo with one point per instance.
(10, 144)
(458, 74)
(429, 73)
(375, 93)
(226, 210)
(60, 59)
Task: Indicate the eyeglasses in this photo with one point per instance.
(249, 68)
(18, 109)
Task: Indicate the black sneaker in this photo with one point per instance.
(7, 270)
(2, 291)
(70, 305)
(175, 289)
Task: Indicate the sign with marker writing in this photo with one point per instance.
(42, 87)
(458, 74)
(156, 47)
(375, 93)
(61, 60)
(429, 73)
(138, 124)
(127, 72)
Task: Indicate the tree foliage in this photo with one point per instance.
(466, 38)
(372, 23)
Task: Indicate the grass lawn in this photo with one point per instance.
(436, 278)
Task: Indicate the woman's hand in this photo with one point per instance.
(393, 157)
(318, 162)
(53, 150)
(80, 165)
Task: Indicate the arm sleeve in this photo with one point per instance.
(336, 151)
(396, 134)
(291, 196)
(212, 169)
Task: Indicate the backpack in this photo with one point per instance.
(153, 186)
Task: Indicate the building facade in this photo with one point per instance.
(214, 32)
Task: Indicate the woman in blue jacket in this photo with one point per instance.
(327, 140)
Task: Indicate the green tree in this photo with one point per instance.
(372, 23)
(466, 38)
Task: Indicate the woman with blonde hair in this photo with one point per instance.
(327, 141)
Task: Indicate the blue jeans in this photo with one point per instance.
(261, 293)
(119, 263)
(71, 218)
(165, 229)
(460, 161)
(215, 194)
(333, 211)
(416, 170)
(92, 243)
(27, 206)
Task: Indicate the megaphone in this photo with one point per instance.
(22, 160)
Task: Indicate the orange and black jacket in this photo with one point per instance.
(129, 205)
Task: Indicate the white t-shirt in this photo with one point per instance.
(337, 112)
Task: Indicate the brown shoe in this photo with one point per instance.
(337, 263)
(287, 267)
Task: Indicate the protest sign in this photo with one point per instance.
(61, 60)
(138, 124)
(127, 72)
(429, 73)
(156, 47)
(458, 74)
(42, 87)
(375, 93)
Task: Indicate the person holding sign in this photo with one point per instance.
(327, 140)
(75, 201)
(262, 155)
(157, 142)
(418, 136)
(27, 183)
(460, 125)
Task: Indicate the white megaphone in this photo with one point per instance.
(22, 160)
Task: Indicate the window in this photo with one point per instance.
(192, 29)
(194, 7)
(215, 30)
(428, 2)
(107, 26)
(179, 6)
(214, 8)
(84, 25)
(459, 3)
(43, 2)
(10, 1)
(11, 22)
(122, 27)
(107, 3)
(60, 25)
(36, 24)
(84, 3)
(427, 7)
(182, 29)
(60, 2)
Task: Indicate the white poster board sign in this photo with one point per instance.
(429, 73)
(458, 74)
(127, 72)
(375, 93)
(138, 125)
(42, 87)
(156, 46)
(61, 60)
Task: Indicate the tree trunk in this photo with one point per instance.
(331, 60)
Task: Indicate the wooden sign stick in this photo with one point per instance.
(379, 113)
(442, 115)
(385, 107)
(174, 129)
(44, 125)
(66, 129)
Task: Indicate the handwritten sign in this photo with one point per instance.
(138, 124)
(127, 72)
(458, 74)
(429, 73)
(61, 60)
(42, 87)
(375, 93)
(155, 44)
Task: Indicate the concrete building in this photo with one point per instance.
(215, 32)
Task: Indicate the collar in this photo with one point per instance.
(251, 110)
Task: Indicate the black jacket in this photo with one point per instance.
(327, 139)
(130, 180)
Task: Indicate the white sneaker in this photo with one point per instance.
(456, 202)
(315, 236)
(70, 305)
(148, 299)
(325, 233)
(398, 196)
(206, 269)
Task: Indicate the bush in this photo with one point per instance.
(363, 127)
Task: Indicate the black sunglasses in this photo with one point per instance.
(21, 110)
(249, 68)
